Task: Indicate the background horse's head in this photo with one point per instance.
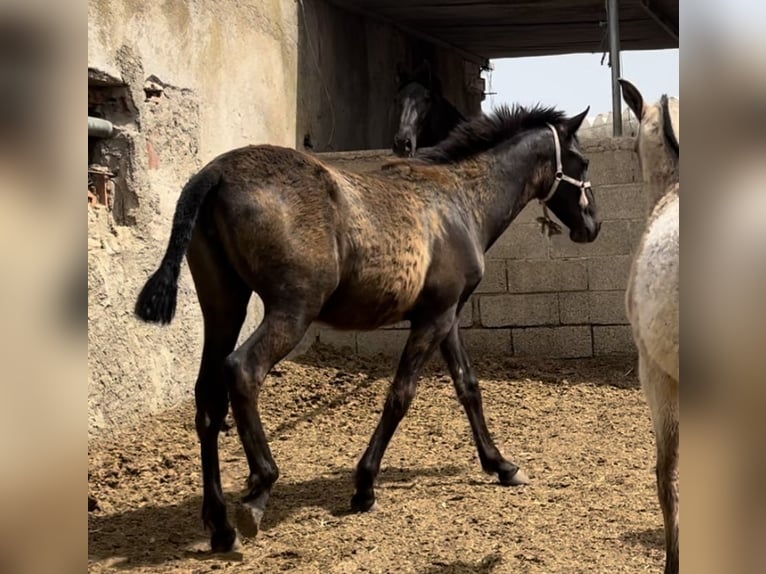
(425, 117)
(657, 140)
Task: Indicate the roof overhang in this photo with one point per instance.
(485, 29)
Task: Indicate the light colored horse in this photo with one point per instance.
(652, 295)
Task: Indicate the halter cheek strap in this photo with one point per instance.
(545, 221)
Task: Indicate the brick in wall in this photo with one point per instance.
(518, 309)
(554, 342)
(520, 241)
(626, 201)
(608, 273)
(389, 342)
(494, 341)
(616, 237)
(613, 340)
(547, 276)
(592, 307)
(613, 167)
(494, 280)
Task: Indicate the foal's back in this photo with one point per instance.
(283, 217)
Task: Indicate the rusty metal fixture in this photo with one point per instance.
(100, 186)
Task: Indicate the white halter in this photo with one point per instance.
(545, 220)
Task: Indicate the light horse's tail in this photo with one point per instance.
(157, 301)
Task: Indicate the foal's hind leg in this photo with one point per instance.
(661, 393)
(421, 344)
(277, 335)
(469, 394)
(223, 298)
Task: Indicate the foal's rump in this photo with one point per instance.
(272, 208)
(278, 222)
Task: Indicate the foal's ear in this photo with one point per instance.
(632, 97)
(571, 125)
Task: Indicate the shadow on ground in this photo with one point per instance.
(486, 565)
(153, 535)
(617, 371)
(649, 538)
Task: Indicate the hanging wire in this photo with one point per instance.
(605, 37)
(490, 92)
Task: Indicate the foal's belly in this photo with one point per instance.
(378, 291)
(346, 310)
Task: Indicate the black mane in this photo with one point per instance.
(667, 125)
(484, 132)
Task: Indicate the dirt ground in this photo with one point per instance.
(580, 429)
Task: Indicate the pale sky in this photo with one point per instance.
(574, 81)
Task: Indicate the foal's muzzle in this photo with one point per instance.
(587, 232)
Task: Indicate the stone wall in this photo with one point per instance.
(541, 297)
(183, 82)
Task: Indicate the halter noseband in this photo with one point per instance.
(545, 220)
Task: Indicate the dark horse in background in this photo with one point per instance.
(425, 115)
(354, 251)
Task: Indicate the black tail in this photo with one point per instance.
(157, 301)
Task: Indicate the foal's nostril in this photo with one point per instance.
(408, 145)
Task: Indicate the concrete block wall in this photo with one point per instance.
(543, 297)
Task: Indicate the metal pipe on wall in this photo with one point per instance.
(613, 23)
(99, 128)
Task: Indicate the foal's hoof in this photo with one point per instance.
(362, 502)
(512, 477)
(223, 541)
(248, 517)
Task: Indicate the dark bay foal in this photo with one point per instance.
(354, 251)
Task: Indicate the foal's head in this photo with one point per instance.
(658, 135)
(414, 100)
(570, 197)
(535, 154)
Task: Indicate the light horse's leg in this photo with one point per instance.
(469, 394)
(424, 338)
(661, 392)
(223, 298)
(279, 333)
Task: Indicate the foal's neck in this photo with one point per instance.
(512, 178)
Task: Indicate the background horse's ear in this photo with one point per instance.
(402, 76)
(632, 97)
(423, 74)
(571, 125)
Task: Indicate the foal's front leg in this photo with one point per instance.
(469, 394)
(421, 344)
